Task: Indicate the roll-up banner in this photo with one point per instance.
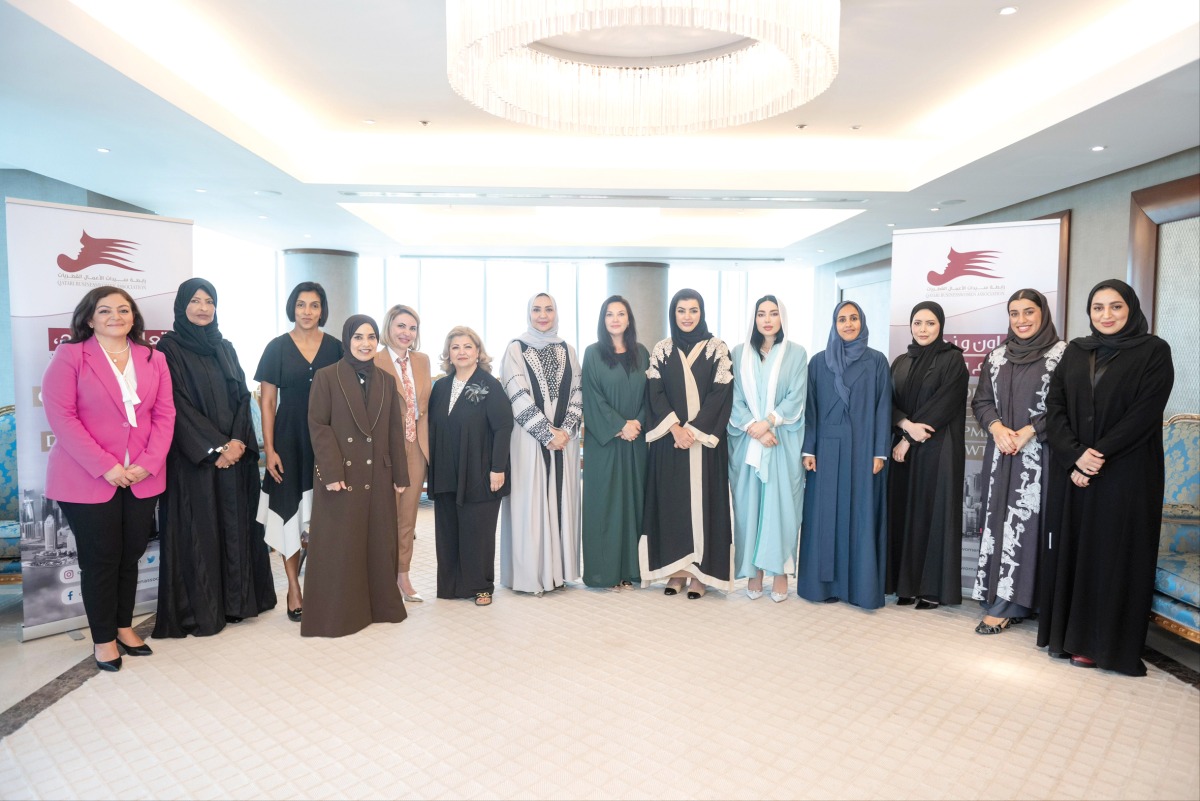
(56, 254)
(971, 270)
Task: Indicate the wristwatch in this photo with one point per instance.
(219, 448)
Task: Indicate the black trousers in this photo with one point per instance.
(111, 537)
(466, 546)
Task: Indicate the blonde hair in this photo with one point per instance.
(390, 317)
(485, 361)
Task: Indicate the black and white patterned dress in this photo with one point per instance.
(539, 520)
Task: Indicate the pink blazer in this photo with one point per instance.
(83, 404)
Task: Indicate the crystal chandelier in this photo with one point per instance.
(521, 60)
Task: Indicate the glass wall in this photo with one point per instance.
(489, 295)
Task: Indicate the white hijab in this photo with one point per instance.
(748, 376)
(539, 339)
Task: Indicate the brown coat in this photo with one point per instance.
(423, 379)
(350, 581)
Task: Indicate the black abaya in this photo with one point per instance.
(214, 561)
(1102, 540)
(925, 491)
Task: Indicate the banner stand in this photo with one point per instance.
(56, 254)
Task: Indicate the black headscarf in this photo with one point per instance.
(203, 339)
(1030, 349)
(922, 355)
(1135, 332)
(364, 370)
(686, 340)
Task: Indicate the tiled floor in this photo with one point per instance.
(592, 694)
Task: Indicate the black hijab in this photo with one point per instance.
(203, 339)
(1135, 332)
(1024, 351)
(922, 355)
(686, 340)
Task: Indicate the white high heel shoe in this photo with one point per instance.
(753, 595)
(778, 597)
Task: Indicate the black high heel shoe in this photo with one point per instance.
(112, 665)
(294, 614)
(134, 650)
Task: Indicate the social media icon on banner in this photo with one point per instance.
(148, 561)
(72, 596)
(70, 575)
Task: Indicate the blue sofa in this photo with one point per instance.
(1176, 605)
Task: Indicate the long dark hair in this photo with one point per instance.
(608, 353)
(81, 331)
(308, 286)
(756, 337)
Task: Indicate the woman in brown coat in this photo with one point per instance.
(357, 427)
(403, 362)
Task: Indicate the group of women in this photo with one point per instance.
(1072, 469)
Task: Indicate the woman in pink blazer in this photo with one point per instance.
(107, 395)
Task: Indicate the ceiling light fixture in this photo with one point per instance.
(103, 150)
(935, 208)
(1098, 148)
(202, 191)
(1008, 11)
(640, 67)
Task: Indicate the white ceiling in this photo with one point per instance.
(238, 97)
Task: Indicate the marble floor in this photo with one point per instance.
(595, 694)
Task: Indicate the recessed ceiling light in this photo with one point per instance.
(891, 225)
(102, 150)
(820, 251)
(1098, 148)
(262, 216)
(308, 236)
(368, 122)
(935, 208)
(1008, 11)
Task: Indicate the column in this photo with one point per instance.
(335, 270)
(644, 285)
